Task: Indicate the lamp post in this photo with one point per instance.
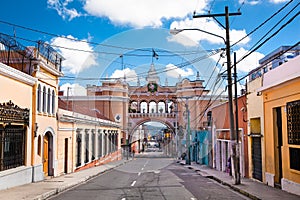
(188, 135)
(176, 31)
(234, 140)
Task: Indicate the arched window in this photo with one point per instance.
(144, 107)
(161, 107)
(152, 107)
(53, 102)
(39, 91)
(48, 101)
(170, 106)
(44, 99)
(133, 107)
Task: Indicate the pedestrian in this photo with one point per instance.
(229, 166)
(133, 153)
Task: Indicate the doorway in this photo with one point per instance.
(48, 154)
(277, 114)
(66, 156)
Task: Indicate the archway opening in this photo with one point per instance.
(153, 137)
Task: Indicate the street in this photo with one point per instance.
(150, 177)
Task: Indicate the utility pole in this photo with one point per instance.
(188, 134)
(234, 158)
(236, 116)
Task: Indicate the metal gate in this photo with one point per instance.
(256, 158)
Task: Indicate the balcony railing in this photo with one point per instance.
(162, 115)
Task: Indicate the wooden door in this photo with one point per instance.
(46, 155)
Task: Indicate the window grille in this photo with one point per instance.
(293, 122)
(12, 147)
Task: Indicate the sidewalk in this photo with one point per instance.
(48, 187)
(248, 187)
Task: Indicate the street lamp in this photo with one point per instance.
(234, 158)
(175, 31)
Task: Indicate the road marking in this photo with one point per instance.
(142, 168)
(133, 183)
(139, 173)
(193, 198)
(123, 199)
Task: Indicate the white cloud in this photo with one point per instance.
(278, 1)
(137, 13)
(129, 74)
(208, 26)
(62, 10)
(174, 71)
(250, 2)
(250, 62)
(246, 65)
(73, 90)
(78, 54)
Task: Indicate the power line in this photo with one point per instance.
(266, 40)
(251, 32)
(259, 68)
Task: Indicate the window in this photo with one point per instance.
(87, 140)
(39, 98)
(39, 150)
(53, 102)
(295, 159)
(78, 149)
(12, 147)
(93, 145)
(293, 122)
(48, 101)
(44, 99)
(99, 144)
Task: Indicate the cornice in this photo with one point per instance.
(17, 75)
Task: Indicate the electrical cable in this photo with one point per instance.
(251, 32)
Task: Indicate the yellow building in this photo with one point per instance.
(46, 69)
(256, 131)
(15, 127)
(281, 100)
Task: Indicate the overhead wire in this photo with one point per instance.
(263, 23)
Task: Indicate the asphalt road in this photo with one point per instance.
(149, 178)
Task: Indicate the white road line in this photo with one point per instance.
(123, 199)
(142, 168)
(139, 173)
(133, 183)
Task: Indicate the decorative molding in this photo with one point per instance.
(17, 75)
(11, 113)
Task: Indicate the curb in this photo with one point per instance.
(58, 190)
(231, 186)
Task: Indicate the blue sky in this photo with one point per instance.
(133, 28)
